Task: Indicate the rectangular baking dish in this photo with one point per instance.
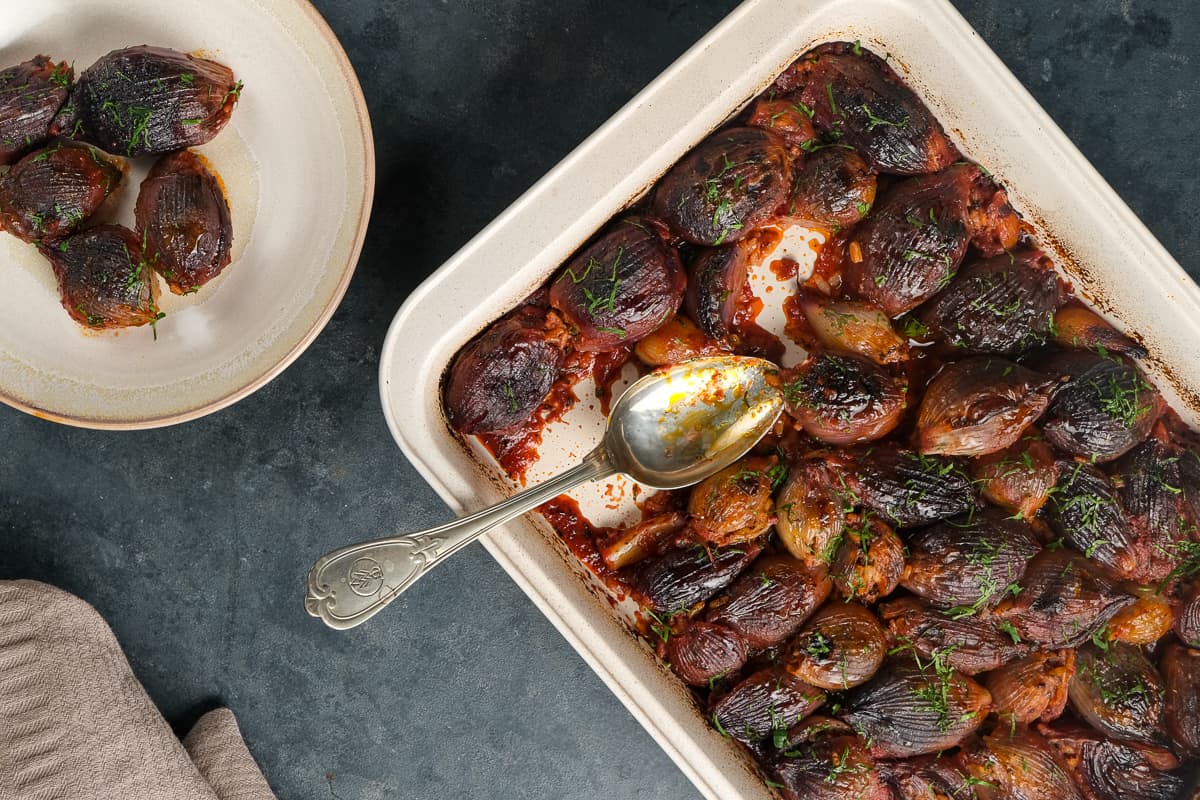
(1096, 239)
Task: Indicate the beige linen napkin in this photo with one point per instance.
(75, 724)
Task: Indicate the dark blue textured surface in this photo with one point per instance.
(193, 541)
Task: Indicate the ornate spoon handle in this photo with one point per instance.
(349, 586)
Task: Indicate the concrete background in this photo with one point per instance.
(194, 541)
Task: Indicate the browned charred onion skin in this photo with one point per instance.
(103, 278)
(833, 190)
(1085, 513)
(908, 489)
(1181, 677)
(688, 575)
(843, 399)
(829, 766)
(908, 710)
(763, 705)
(841, 647)
(1019, 478)
(1119, 692)
(30, 95)
(810, 515)
(704, 652)
(1112, 770)
(49, 193)
(714, 285)
(859, 99)
(1034, 688)
(1025, 767)
(967, 644)
(621, 287)
(725, 188)
(980, 405)
(1065, 598)
(151, 100)
(1076, 325)
(941, 777)
(912, 243)
(852, 327)
(500, 378)
(1105, 410)
(870, 559)
(734, 504)
(786, 119)
(183, 219)
(1149, 485)
(770, 601)
(968, 565)
(1187, 618)
(1002, 305)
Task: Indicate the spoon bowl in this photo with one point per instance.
(670, 429)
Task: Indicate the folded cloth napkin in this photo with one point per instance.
(75, 724)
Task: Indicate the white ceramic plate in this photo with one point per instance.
(298, 164)
(1094, 236)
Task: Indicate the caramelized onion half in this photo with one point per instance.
(829, 767)
(1118, 691)
(909, 489)
(1034, 688)
(1084, 511)
(1020, 478)
(735, 504)
(1076, 325)
(966, 644)
(703, 652)
(841, 647)
(980, 405)
(1113, 770)
(844, 399)
(853, 327)
(771, 600)
(834, 190)
(688, 575)
(763, 706)
(870, 559)
(1181, 675)
(715, 282)
(1028, 768)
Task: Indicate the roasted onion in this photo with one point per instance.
(735, 504)
(810, 511)
(715, 282)
(1181, 677)
(626, 546)
(1105, 409)
(30, 95)
(1084, 511)
(841, 647)
(968, 645)
(907, 710)
(500, 378)
(1026, 767)
(677, 341)
(980, 405)
(834, 190)
(1187, 618)
(857, 98)
(843, 399)
(912, 243)
(1118, 691)
(151, 100)
(771, 600)
(835, 766)
(688, 575)
(908, 488)
(729, 185)
(763, 706)
(1077, 325)
(103, 278)
(870, 559)
(856, 328)
(1149, 485)
(621, 287)
(1144, 622)
(1064, 599)
(1034, 688)
(1002, 305)
(1019, 478)
(703, 652)
(49, 193)
(968, 565)
(184, 221)
(1112, 770)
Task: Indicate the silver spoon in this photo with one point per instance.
(668, 430)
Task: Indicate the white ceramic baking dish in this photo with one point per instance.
(1111, 257)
